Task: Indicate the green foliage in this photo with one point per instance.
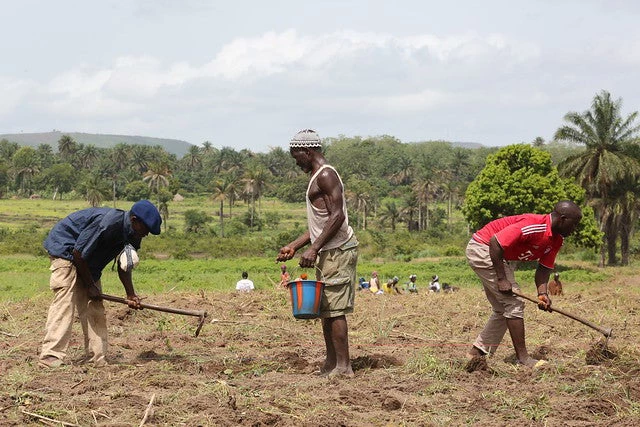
(195, 220)
(517, 179)
(137, 190)
(522, 179)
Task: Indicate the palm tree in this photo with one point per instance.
(193, 157)
(255, 182)
(88, 155)
(606, 161)
(157, 177)
(140, 157)
(120, 155)
(96, 190)
(391, 213)
(67, 147)
(223, 189)
(25, 164)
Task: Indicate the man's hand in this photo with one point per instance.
(544, 302)
(285, 254)
(504, 286)
(133, 301)
(308, 258)
(94, 292)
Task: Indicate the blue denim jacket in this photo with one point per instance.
(99, 234)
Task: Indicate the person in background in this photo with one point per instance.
(391, 287)
(79, 247)
(333, 248)
(374, 284)
(244, 284)
(434, 284)
(363, 285)
(493, 252)
(410, 286)
(285, 277)
(555, 286)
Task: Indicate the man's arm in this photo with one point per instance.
(542, 279)
(287, 252)
(331, 193)
(496, 253)
(82, 268)
(126, 278)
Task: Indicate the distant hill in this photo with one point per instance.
(472, 145)
(174, 146)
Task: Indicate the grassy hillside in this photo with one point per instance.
(174, 146)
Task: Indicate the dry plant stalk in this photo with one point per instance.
(47, 419)
(149, 411)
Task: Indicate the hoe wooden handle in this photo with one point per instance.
(604, 331)
(197, 313)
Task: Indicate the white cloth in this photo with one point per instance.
(244, 285)
(317, 218)
(434, 286)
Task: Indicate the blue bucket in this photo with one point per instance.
(306, 296)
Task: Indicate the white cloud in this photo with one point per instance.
(14, 92)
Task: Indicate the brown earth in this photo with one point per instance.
(254, 365)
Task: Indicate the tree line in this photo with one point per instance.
(594, 158)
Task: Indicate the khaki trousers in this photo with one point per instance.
(71, 297)
(504, 306)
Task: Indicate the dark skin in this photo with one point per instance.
(325, 193)
(564, 219)
(140, 230)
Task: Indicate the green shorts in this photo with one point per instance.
(337, 269)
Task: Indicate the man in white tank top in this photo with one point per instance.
(333, 249)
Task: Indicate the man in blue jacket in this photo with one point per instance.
(80, 246)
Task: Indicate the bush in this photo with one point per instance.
(136, 190)
(195, 220)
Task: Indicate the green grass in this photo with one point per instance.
(176, 260)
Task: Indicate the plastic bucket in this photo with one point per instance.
(306, 296)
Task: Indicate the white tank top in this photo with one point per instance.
(317, 218)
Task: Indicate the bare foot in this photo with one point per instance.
(341, 372)
(530, 362)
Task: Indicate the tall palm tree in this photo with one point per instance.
(88, 156)
(256, 180)
(193, 158)
(606, 161)
(391, 213)
(140, 157)
(67, 147)
(96, 189)
(223, 189)
(157, 177)
(120, 155)
(25, 165)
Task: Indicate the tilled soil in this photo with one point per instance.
(254, 364)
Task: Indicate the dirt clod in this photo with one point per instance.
(391, 404)
(478, 363)
(599, 353)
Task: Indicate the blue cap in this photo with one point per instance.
(148, 214)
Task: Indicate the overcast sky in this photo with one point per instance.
(250, 74)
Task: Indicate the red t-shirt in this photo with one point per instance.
(525, 237)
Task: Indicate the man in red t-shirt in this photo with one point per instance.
(493, 253)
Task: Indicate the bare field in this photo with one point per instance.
(254, 364)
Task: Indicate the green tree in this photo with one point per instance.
(25, 166)
(605, 165)
(195, 220)
(67, 148)
(60, 178)
(157, 177)
(521, 179)
(391, 214)
(95, 189)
